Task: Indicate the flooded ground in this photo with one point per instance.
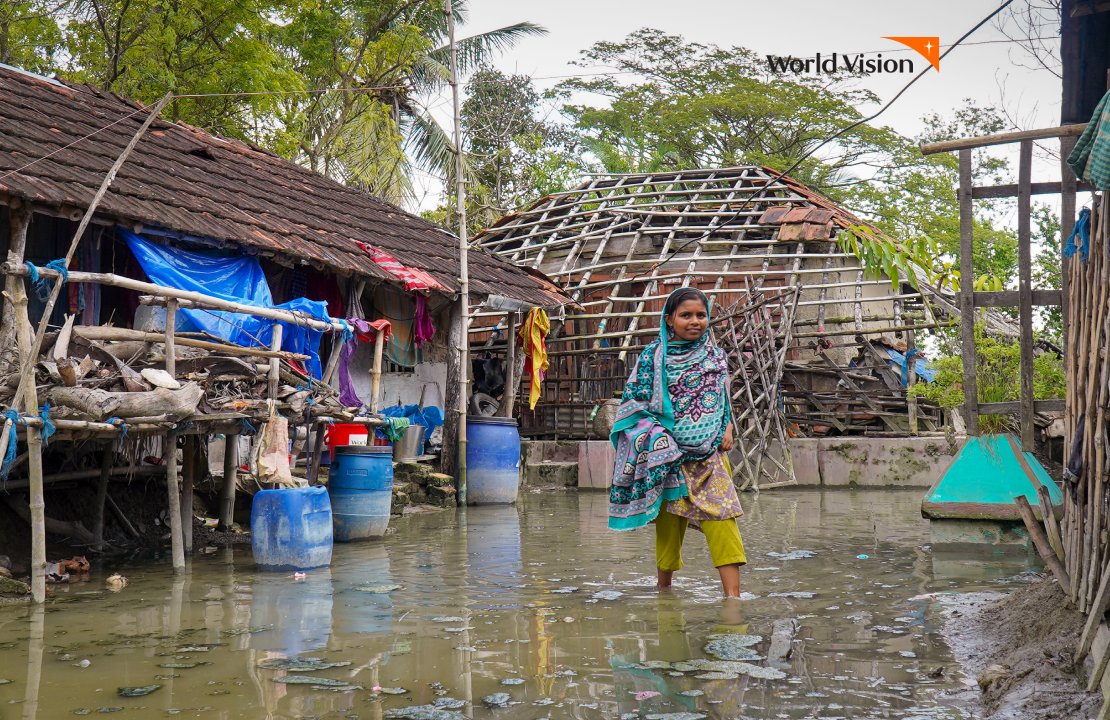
(539, 603)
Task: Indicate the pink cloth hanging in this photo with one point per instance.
(422, 326)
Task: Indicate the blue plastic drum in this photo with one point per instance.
(361, 485)
(492, 460)
(291, 528)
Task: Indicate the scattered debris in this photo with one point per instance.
(792, 555)
(131, 692)
(115, 582)
(376, 589)
(607, 594)
(296, 665)
(733, 647)
(307, 680)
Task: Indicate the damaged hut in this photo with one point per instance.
(818, 346)
(165, 286)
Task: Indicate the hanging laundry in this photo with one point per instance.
(413, 278)
(361, 331)
(1091, 157)
(422, 326)
(532, 335)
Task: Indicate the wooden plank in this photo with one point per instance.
(1067, 223)
(966, 144)
(1025, 295)
(967, 295)
(1014, 190)
(1005, 408)
(1095, 616)
(1011, 298)
(1100, 654)
(1040, 541)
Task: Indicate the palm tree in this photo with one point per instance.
(368, 63)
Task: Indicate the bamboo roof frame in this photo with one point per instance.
(618, 244)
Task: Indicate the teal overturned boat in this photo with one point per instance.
(981, 484)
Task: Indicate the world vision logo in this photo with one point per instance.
(927, 47)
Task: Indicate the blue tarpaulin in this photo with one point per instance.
(236, 278)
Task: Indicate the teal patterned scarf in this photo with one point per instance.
(675, 408)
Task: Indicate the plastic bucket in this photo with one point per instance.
(346, 434)
(291, 528)
(492, 460)
(361, 485)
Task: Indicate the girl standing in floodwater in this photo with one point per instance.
(671, 432)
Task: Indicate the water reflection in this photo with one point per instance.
(506, 599)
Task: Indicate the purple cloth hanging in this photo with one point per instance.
(363, 331)
(422, 327)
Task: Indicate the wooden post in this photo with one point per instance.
(967, 296)
(1040, 541)
(275, 364)
(227, 492)
(173, 500)
(508, 397)
(12, 324)
(376, 371)
(106, 460)
(911, 368)
(188, 477)
(1025, 294)
(456, 336)
(333, 358)
(1052, 526)
(313, 473)
(171, 328)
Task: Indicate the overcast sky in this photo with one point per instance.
(996, 73)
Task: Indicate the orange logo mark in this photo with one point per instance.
(927, 47)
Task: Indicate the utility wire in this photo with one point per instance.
(779, 176)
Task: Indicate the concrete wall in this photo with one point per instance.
(872, 462)
(818, 462)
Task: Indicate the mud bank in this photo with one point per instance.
(1019, 647)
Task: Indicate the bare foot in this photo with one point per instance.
(665, 577)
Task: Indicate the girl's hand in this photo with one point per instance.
(726, 441)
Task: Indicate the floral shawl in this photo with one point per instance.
(675, 409)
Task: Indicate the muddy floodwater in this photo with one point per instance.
(536, 609)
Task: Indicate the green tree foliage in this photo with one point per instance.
(513, 154)
(998, 378)
(143, 49)
(1047, 268)
(30, 37)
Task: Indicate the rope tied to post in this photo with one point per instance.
(48, 428)
(9, 455)
(246, 427)
(43, 285)
(120, 424)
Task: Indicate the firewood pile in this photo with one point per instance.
(99, 374)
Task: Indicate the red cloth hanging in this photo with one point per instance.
(413, 278)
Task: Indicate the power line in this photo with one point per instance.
(767, 186)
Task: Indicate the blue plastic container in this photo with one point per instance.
(361, 485)
(291, 528)
(492, 460)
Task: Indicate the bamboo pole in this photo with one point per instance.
(1051, 524)
(114, 333)
(37, 507)
(508, 396)
(173, 500)
(275, 364)
(464, 275)
(188, 478)
(376, 371)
